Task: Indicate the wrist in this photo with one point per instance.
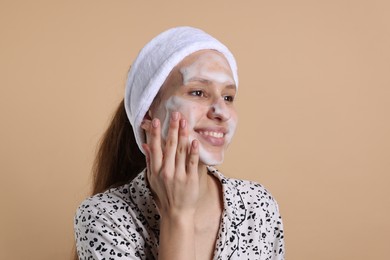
(178, 223)
(178, 217)
(179, 230)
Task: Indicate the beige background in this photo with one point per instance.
(313, 102)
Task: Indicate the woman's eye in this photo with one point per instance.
(197, 93)
(228, 98)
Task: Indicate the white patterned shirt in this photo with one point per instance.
(123, 223)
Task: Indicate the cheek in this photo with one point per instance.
(189, 110)
(232, 125)
(234, 119)
(192, 113)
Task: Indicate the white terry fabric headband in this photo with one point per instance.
(154, 63)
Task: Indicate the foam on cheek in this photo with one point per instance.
(232, 124)
(217, 159)
(190, 110)
(173, 104)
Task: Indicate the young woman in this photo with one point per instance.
(172, 203)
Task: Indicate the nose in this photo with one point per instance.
(219, 110)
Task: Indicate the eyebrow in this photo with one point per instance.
(205, 81)
(209, 82)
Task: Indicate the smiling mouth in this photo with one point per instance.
(212, 137)
(212, 134)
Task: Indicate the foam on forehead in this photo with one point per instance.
(154, 63)
(199, 69)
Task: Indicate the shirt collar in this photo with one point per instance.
(234, 208)
(233, 202)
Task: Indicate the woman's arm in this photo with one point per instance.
(173, 177)
(177, 238)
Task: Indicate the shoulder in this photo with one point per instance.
(110, 201)
(106, 225)
(255, 195)
(252, 206)
(104, 210)
(251, 189)
(115, 201)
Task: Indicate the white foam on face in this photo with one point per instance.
(214, 68)
(176, 104)
(200, 69)
(193, 111)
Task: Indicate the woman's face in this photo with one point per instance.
(202, 89)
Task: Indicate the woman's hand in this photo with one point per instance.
(173, 176)
(172, 170)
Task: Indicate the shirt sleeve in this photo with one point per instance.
(104, 230)
(265, 221)
(278, 234)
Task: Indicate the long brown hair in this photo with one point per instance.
(118, 159)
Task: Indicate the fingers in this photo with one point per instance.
(153, 147)
(182, 146)
(178, 156)
(173, 167)
(147, 155)
(193, 159)
(171, 142)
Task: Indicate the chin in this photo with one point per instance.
(210, 158)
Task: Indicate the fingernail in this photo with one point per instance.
(195, 144)
(183, 123)
(155, 123)
(175, 115)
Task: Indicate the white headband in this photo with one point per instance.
(154, 63)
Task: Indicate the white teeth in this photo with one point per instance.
(213, 134)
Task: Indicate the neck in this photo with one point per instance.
(204, 182)
(209, 186)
